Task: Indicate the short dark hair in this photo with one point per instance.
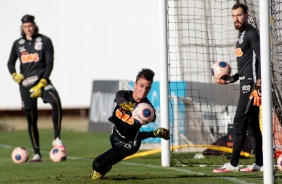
(147, 74)
(240, 5)
(29, 18)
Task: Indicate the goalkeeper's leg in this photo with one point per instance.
(103, 163)
(30, 107)
(32, 116)
(257, 136)
(51, 96)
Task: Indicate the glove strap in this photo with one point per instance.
(230, 79)
(258, 84)
(43, 82)
(258, 87)
(127, 106)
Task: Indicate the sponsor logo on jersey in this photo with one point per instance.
(239, 52)
(246, 88)
(30, 80)
(242, 78)
(27, 58)
(49, 86)
(122, 115)
(22, 49)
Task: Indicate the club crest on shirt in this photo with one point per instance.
(38, 45)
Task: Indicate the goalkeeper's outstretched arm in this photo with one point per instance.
(231, 79)
(160, 132)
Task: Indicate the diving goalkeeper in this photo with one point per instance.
(126, 136)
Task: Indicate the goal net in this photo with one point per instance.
(199, 34)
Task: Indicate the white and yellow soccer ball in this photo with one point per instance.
(20, 155)
(221, 70)
(143, 113)
(279, 163)
(58, 154)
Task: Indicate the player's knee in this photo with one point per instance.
(96, 164)
(239, 128)
(100, 167)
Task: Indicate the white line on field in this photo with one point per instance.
(235, 180)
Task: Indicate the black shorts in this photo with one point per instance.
(126, 147)
(49, 95)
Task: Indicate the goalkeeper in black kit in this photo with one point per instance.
(249, 74)
(126, 136)
(36, 54)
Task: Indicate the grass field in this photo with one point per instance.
(83, 147)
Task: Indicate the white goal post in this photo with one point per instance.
(164, 80)
(266, 100)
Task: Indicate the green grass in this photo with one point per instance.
(83, 147)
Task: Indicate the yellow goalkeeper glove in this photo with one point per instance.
(162, 133)
(18, 77)
(127, 106)
(36, 90)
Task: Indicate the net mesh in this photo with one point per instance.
(199, 34)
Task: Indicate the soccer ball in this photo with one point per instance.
(20, 155)
(221, 70)
(144, 113)
(279, 163)
(58, 154)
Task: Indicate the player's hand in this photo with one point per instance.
(256, 94)
(162, 133)
(18, 77)
(36, 90)
(226, 81)
(127, 106)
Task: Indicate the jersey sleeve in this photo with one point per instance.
(49, 59)
(12, 59)
(255, 43)
(121, 97)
